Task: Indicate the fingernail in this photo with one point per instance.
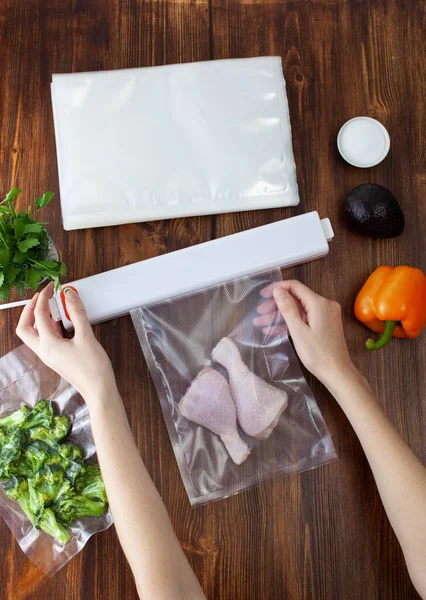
(279, 292)
(70, 294)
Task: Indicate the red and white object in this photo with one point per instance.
(280, 244)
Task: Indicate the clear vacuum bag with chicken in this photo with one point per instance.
(236, 405)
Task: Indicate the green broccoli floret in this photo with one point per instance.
(56, 459)
(74, 470)
(70, 451)
(44, 435)
(3, 437)
(36, 454)
(16, 419)
(72, 508)
(90, 483)
(18, 490)
(36, 498)
(41, 415)
(14, 487)
(50, 525)
(11, 452)
(60, 427)
(19, 467)
(51, 484)
(16, 458)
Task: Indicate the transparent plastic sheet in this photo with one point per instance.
(177, 339)
(24, 379)
(172, 141)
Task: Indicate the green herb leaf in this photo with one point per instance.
(33, 228)
(12, 195)
(11, 272)
(18, 228)
(1, 278)
(49, 265)
(28, 243)
(4, 292)
(4, 210)
(20, 258)
(4, 256)
(44, 200)
(32, 278)
(63, 270)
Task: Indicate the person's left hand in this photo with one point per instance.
(81, 360)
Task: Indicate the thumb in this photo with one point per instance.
(289, 309)
(77, 312)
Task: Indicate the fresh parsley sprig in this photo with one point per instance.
(25, 247)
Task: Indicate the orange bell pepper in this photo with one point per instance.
(393, 302)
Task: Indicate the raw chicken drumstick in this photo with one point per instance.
(208, 402)
(259, 404)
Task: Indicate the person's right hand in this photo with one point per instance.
(81, 360)
(314, 323)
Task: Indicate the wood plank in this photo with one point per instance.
(329, 536)
(39, 39)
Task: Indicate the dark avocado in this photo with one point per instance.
(374, 210)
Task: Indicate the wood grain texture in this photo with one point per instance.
(323, 534)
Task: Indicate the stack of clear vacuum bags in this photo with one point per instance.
(237, 407)
(172, 141)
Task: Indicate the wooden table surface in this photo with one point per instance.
(322, 534)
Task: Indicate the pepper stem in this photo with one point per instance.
(386, 337)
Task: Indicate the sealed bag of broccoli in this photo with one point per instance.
(52, 495)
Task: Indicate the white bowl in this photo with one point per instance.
(363, 142)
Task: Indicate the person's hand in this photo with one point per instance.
(314, 323)
(81, 360)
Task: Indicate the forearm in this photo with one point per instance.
(141, 520)
(400, 476)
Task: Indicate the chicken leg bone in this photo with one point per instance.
(259, 405)
(208, 402)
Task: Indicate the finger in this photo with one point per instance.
(77, 313)
(25, 329)
(267, 291)
(278, 330)
(43, 320)
(302, 292)
(269, 319)
(56, 326)
(270, 306)
(289, 309)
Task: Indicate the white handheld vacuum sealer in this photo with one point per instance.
(281, 244)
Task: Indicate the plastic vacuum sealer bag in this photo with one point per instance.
(24, 379)
(172, 141)
(178, 337)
